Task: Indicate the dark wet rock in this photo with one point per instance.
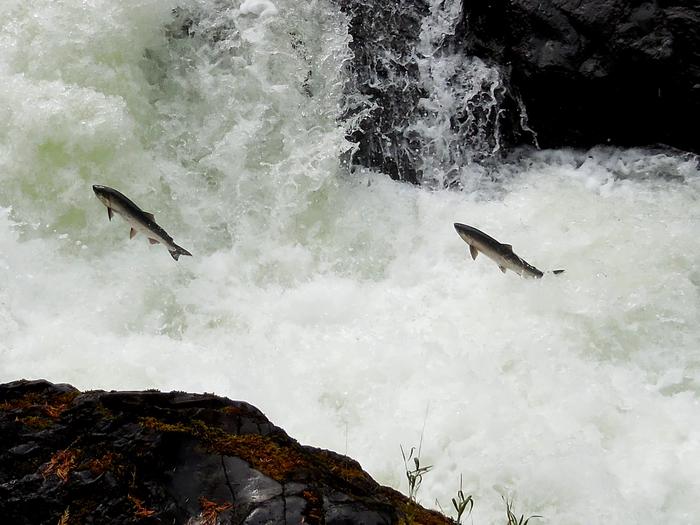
(385, 72)
(621, 72)
(152, 457)
(587, 72)
(426, 108)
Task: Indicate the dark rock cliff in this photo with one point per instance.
(587, 72)
(150, 457)
(622, 72)
(385, 70)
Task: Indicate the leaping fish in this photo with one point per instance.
(139, 220)
(501, 254)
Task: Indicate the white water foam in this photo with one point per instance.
(346, 311)
(462, 109)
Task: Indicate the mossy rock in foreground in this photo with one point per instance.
(150, 457)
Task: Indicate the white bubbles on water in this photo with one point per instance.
(344, 310)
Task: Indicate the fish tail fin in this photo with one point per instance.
(557, 272)
(179, 250)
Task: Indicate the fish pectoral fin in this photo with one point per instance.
(132, 233)
(150, 216)
(557, 272)
(153, 241)
(474, 252)
(109, 213)
(502, 268)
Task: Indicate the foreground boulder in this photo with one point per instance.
(149, 457)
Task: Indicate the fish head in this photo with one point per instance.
(102, 193)
(464, 232)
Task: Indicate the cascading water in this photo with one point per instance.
(431, 114)
(349, 312)
(459, 122)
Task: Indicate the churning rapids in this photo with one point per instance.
(341, 303)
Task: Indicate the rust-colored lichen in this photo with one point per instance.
(156, 424)
(140, 511)
(313, 513)
(59, 404)
(51, 405)
(310, 496)
(102, 464)
(261, 452)
(211, 510)
(63, 520)
(61, 464)
(410, 513)
(343, 468)
(82, 509)
(35, 421)
(22, 403)
(236, 410)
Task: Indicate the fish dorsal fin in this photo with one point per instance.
(502, 268)
(150, 216)
(109, 213)
(473, 251)
(152, 241)
(132, 233)
(508, 247)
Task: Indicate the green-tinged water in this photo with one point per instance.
(343, 304)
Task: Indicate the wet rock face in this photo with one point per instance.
(592, 72)
(150, 457)
(588, 72)
(426, 108)
(385, 70)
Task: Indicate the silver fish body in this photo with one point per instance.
(501, 254)
(139, 220)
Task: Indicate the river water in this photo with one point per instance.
(339, 302)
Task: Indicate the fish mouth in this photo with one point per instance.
(466, 233)
(461, 228)
(101, 193)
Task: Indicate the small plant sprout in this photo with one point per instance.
(414, 476)
(461, 503)
(64, 517)
(512, 518)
